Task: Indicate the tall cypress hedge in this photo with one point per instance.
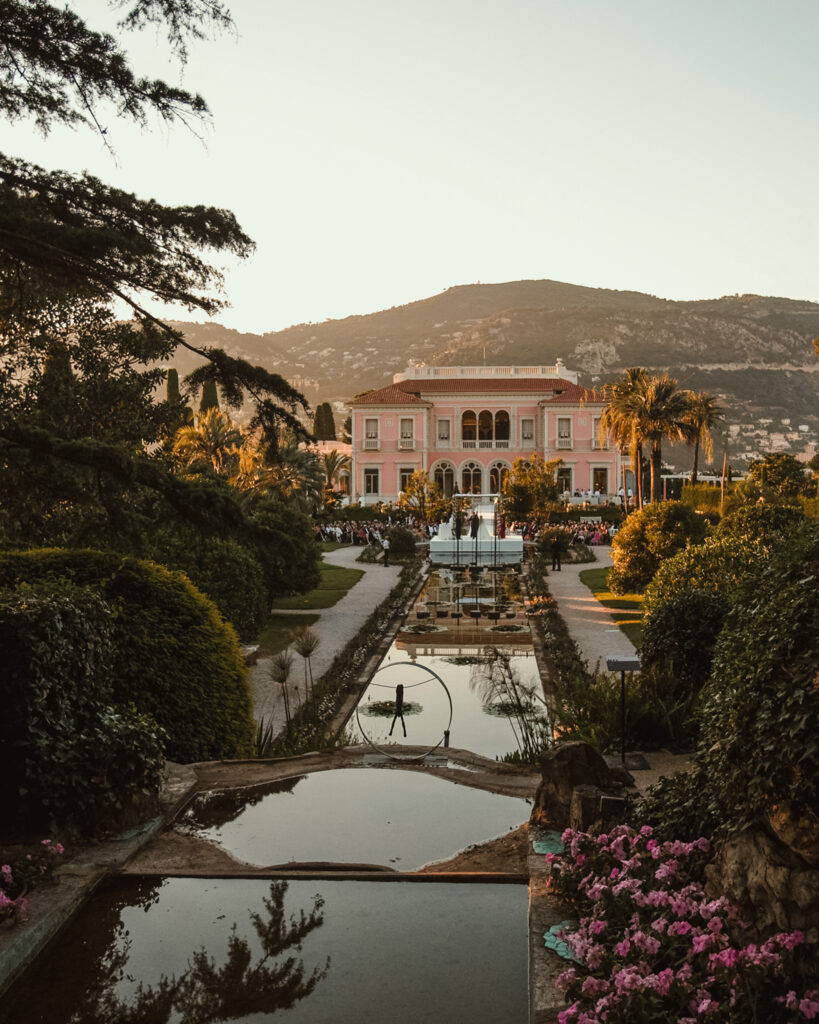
(174, 656)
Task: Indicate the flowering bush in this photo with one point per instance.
(654, 948)
(20, 872)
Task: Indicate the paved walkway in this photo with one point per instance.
(590, 624)
(335, 627)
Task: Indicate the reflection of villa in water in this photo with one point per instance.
(466, 425)
(467, 611)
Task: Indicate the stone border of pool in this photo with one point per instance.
(52, 905)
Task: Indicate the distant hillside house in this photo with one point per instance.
(466, 425)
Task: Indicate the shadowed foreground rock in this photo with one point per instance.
(575, 779)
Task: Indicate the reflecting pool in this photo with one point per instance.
(469, 628)
(390, 817)
(317, 952)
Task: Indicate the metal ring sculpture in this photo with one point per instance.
(407, 757)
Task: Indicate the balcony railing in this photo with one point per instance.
(599, 445)
(406, 444)
(371, 444)
(564, 442)
(484, 444)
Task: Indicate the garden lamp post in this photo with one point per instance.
(629, 663)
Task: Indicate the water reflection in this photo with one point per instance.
(400, 953)
(390, 817)
(260, 976)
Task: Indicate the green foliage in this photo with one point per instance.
(647, 538)
(68, 755)
(223, 570)
(324, 425)
(210, 397)
(333, 584)
(530, 489)
(424, 498)
(679, 637)
(701, 497)
(759, 523)
(779, 473)
(285, 547)
(402, 543)
(173, 655)
(589, 708)
(759, 711)
(552, 533)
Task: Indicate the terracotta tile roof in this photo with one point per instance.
(409, 392)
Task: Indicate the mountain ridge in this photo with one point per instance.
(598, 332)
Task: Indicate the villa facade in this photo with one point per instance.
(466, 426)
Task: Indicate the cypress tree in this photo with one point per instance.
(210, 397)
(172, 394)
(324, 426)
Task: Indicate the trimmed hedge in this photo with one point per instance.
(647, 538)
(68, 757)
(224, 571)
(174, 656)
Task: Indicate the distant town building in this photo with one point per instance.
(466, 425)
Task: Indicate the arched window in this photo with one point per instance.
(469, 426)
(498, 472)
(486, 425)
(444, 477)
(502, 430)
(471, 478)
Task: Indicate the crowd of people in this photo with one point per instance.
(341, 531)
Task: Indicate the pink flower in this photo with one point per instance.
(809, 1008)
(580, 860)
(596, 927)
(725, 958)
(622, 948)
(679, 928)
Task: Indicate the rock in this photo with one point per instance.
(774, 887)
(799, 833)
(564, 767)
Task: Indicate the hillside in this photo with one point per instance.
(736, 345)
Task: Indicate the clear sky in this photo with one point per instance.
(380, 151)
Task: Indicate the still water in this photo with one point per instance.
(316, 952)
(468, 631)
(391, 817)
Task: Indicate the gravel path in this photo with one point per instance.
(334, 628)
(590, 624)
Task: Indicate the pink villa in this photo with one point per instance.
(466, 425)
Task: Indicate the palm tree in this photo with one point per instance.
(334, 465)
(704, 413)
(294, 474)
(661, 410)
(213, 441)
(620, 420)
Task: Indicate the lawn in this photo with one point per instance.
(627, 609)
(276, 634)
(336, 580)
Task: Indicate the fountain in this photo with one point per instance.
(464, 541)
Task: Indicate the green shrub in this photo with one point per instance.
(68, 757)
(402, 543)
(649, 537)
(679, 637)
(547, 536)
(720, 565)
(287, 550)
(702, 497)
(759, 711)
(223, 570)
(759, 523)
(174, 657)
